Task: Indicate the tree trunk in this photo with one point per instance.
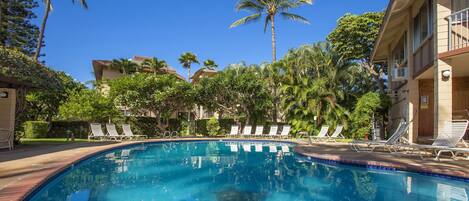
(274, 49)
(189, 109)
(2, 23)
(41, 32)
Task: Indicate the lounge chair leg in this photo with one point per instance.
(438, 155)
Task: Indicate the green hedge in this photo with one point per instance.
(225, 125)
(61, 129)
(36, 129)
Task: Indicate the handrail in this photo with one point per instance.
(461, 11)
(458, 29)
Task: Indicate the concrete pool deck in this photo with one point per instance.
(26, 167)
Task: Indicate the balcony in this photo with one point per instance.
(458, 33)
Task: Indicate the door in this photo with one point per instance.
(426, 108)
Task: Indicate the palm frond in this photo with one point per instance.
(246, 20)
(251, 5)
(266, 23)
(295, 17)
(82, 2)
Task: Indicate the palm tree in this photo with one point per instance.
(155, 64)
(315, 84)
(187, 59)
(126, 66)
(270, 8)
(48, 8)
(210, 64)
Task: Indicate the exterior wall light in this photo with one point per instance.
(3, 94)
(446, 74)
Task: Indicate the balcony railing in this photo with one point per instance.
(458, 33)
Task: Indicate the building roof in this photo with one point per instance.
(204, 71)
(396, 14)
(19, 70)
(99, 65)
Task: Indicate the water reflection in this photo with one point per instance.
(237, 171)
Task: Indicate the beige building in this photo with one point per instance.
(425, 46)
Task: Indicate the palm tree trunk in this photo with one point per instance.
(2, 24)
(274, 49)
(189, 109)
(41, 32)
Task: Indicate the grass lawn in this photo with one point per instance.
(50, 141)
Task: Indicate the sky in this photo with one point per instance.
(165, 29)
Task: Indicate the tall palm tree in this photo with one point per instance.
(155, 64)
(126, 66)
(210, 64)
(270, 8)
(187, 59)
(48, 8)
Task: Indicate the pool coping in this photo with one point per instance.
(27, 187)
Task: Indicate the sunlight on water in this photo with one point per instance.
(236, 171)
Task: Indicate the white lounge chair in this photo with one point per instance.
(6, 140)
(285, 131)
(96, 132)
(273, 131)
(337, 134)
(321, 136)
(234, 131)
(129, 134)
(259, 131)
(247, 131)
(391, 144)
(112, 132)
(447, 140)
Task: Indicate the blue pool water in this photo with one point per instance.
(235, 171)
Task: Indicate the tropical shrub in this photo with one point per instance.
(36, 129)
(161, 95)
(89, 105)
(314, 86)
(213, 127)
(239, 91)
(367, 106)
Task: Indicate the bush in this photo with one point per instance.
(213, 127)
(201, 127)
(369, 104)
(143, 125)
(61, 129)
(36, 129)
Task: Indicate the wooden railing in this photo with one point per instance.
(423, 57)
(458, 33)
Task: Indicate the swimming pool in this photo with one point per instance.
(232, 171)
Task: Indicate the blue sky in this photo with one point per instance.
(166, 28)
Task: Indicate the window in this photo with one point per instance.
(423, 24)
(400, 52)
(458, 5)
